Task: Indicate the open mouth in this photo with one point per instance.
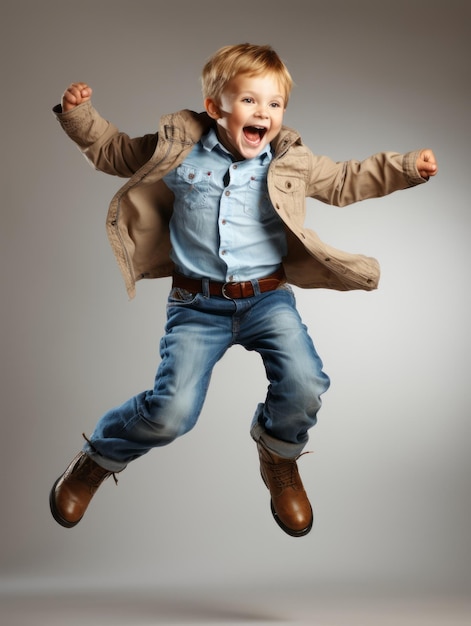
(254, 134)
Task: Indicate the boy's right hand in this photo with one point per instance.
(75, 94)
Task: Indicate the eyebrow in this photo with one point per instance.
(253, 93)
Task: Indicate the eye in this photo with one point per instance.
(248, 100)
(275, 105)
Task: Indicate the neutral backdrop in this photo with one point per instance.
(389, 477)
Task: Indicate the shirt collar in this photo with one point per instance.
(211, 141)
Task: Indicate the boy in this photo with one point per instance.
(217, 201)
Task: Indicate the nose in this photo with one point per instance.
(262, 112)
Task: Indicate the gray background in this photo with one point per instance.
(390, 475)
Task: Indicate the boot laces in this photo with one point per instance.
(91, 472)
(285, 472)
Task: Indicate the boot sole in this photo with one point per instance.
(55, 513)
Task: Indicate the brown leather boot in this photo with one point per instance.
(72, 492)
(289, 503)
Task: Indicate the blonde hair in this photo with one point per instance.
(243, 58)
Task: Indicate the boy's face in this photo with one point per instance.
(249, 115)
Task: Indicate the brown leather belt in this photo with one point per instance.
(231, 291)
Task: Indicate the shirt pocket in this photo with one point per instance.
(257, 201)
(193, 186)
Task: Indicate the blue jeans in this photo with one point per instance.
(199, 330)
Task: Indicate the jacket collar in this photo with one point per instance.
(187, 127)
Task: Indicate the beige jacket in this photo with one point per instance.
(138, 216)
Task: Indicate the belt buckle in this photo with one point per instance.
(223, 290)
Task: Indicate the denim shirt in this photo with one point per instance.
(224, 226)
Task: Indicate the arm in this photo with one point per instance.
(107, 149)
(347, 182)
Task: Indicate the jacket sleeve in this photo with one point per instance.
(347, 182)
(102, 144)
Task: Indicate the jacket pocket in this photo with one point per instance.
(289, 193)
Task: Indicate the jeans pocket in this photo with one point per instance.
(179, 297)
(284, 286)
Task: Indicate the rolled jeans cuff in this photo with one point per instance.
(105, 463)
(284, 449)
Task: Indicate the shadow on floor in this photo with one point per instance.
(127, 608)
(243, 607)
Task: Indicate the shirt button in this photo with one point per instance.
(223, 221)
(227, 193)
(223, 252)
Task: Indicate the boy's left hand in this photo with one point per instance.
(426, 164)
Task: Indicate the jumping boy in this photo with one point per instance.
(217, 201)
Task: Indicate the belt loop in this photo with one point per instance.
(256, 287)
(205, 287)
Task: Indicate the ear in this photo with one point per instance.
(212, 108)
